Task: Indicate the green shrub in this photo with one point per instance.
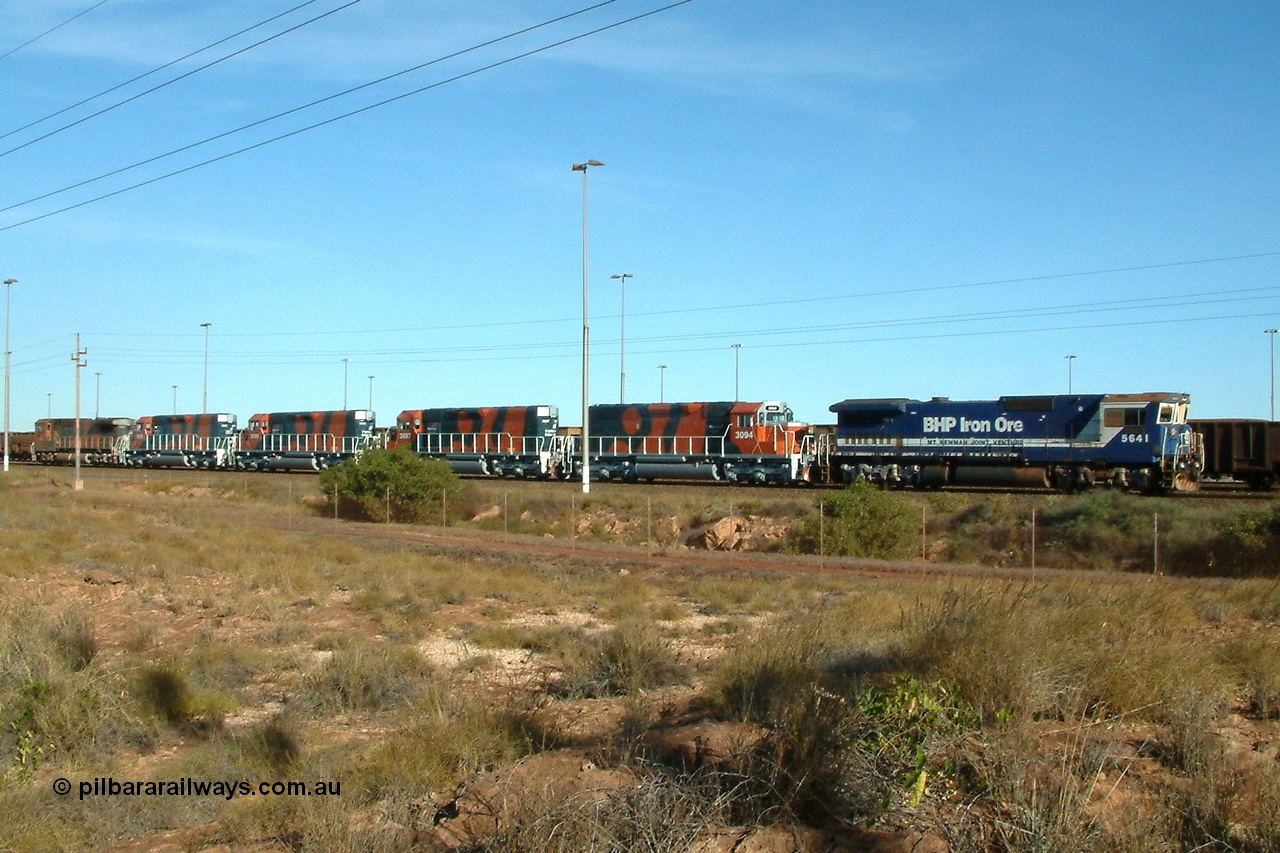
(390, 485)
(620, 662)
(860, 521)
(367, 675)
(57, 700)
(1245, 544)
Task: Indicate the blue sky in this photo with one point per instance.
(875, 200)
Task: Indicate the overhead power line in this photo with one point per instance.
(182, 76)
(32, 41)
(456, 356)
(1059, 310)
(155, 70)
(903, 291)
(305, 106)
(457, 77)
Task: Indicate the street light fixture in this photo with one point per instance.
(1272, 333)
(662, 381)
(737, 348)
(622, 374)
(1070, 361)
(586, 333)
(204, 408)
(8, 283)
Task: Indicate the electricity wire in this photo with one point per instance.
(542, 346)
(182, 76)
(32, 41)
(347, 115)
(302, 107)
(155, 70)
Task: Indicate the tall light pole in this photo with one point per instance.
(1272, 333)
(371, 392)
(662, 381)
(8, 283)
(204, 408)
(586, 333)
(345, 362)
(175, 399)
(1070, 385)
(97, 393)
(737, 348)
(622, 372)
(77, 358)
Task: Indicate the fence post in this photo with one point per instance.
(1155, 543)
(822, 532)
(1033, 541)
(924, 534)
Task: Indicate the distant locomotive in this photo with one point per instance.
(102, 441)
(1069, 442)
(184, 441)
(739, 442)
(304, 441)
(503, 441)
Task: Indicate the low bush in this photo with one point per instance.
(367, 675)
(56, 699)
(392, 486)
(859, 521)
(619, 662)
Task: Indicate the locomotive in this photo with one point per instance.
(99, 441)
(504, 441)
(1068, 442)
(183, 441)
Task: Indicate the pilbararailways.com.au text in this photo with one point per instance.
(187, 787)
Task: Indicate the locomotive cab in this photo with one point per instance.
(765, 428)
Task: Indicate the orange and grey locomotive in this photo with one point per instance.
(742, 442)
(101, 440)
(184, 441)
(506, 441)
(304, 441)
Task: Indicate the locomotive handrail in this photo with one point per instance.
(311, 443)
(187, 442)
(437, 444)
(657, 445)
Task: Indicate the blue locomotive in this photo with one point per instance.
(1068, 442)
